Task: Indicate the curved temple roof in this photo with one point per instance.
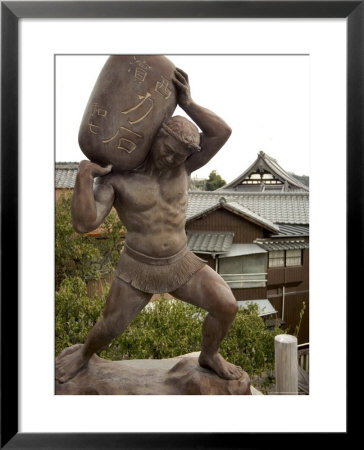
(265, 175)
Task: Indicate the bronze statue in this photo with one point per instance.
(151, 201)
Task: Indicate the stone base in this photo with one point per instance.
(175, 376)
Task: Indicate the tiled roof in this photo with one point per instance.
(293, 230)
(66, 175)
(209, 242)
(277, 207)
(293, 244)
(242, 210)
(67, 165)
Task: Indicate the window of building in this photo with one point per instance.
(245, 271)
(276, 259)
(285, 258)
(255, 176)
(293, 257)
(265, 177)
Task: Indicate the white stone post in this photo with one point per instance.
(286, 364)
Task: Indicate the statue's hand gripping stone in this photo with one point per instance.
(181, 82)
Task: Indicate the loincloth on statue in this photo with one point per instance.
(157, 275)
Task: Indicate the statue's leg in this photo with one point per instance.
(209, 291)
(123, 303)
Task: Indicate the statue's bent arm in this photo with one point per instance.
(215, 131)
(90, 205)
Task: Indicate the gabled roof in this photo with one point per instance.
(250, 215)
(276, 207)
(265, 175)
(240, 210)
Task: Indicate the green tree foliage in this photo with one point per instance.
(80, 255)
(214, 181)
(305, 179)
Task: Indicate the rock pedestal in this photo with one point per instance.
(175, 376)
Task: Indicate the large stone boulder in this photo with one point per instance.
(132, 96)
(176, 376)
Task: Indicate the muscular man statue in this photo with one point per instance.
(151, 201)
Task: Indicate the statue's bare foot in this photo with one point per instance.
(70, 363)
(221, 367)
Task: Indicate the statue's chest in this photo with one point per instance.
(174, 189)
(145, 192)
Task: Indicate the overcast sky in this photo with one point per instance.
(265, 100)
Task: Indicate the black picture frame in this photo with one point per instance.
(11, 13)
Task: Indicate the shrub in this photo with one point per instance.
(165, 329)
(249, 343)
(80, 255)
(75, 313)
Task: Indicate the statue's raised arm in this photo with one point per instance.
(215, 132)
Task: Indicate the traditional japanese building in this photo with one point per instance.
(255, 233)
